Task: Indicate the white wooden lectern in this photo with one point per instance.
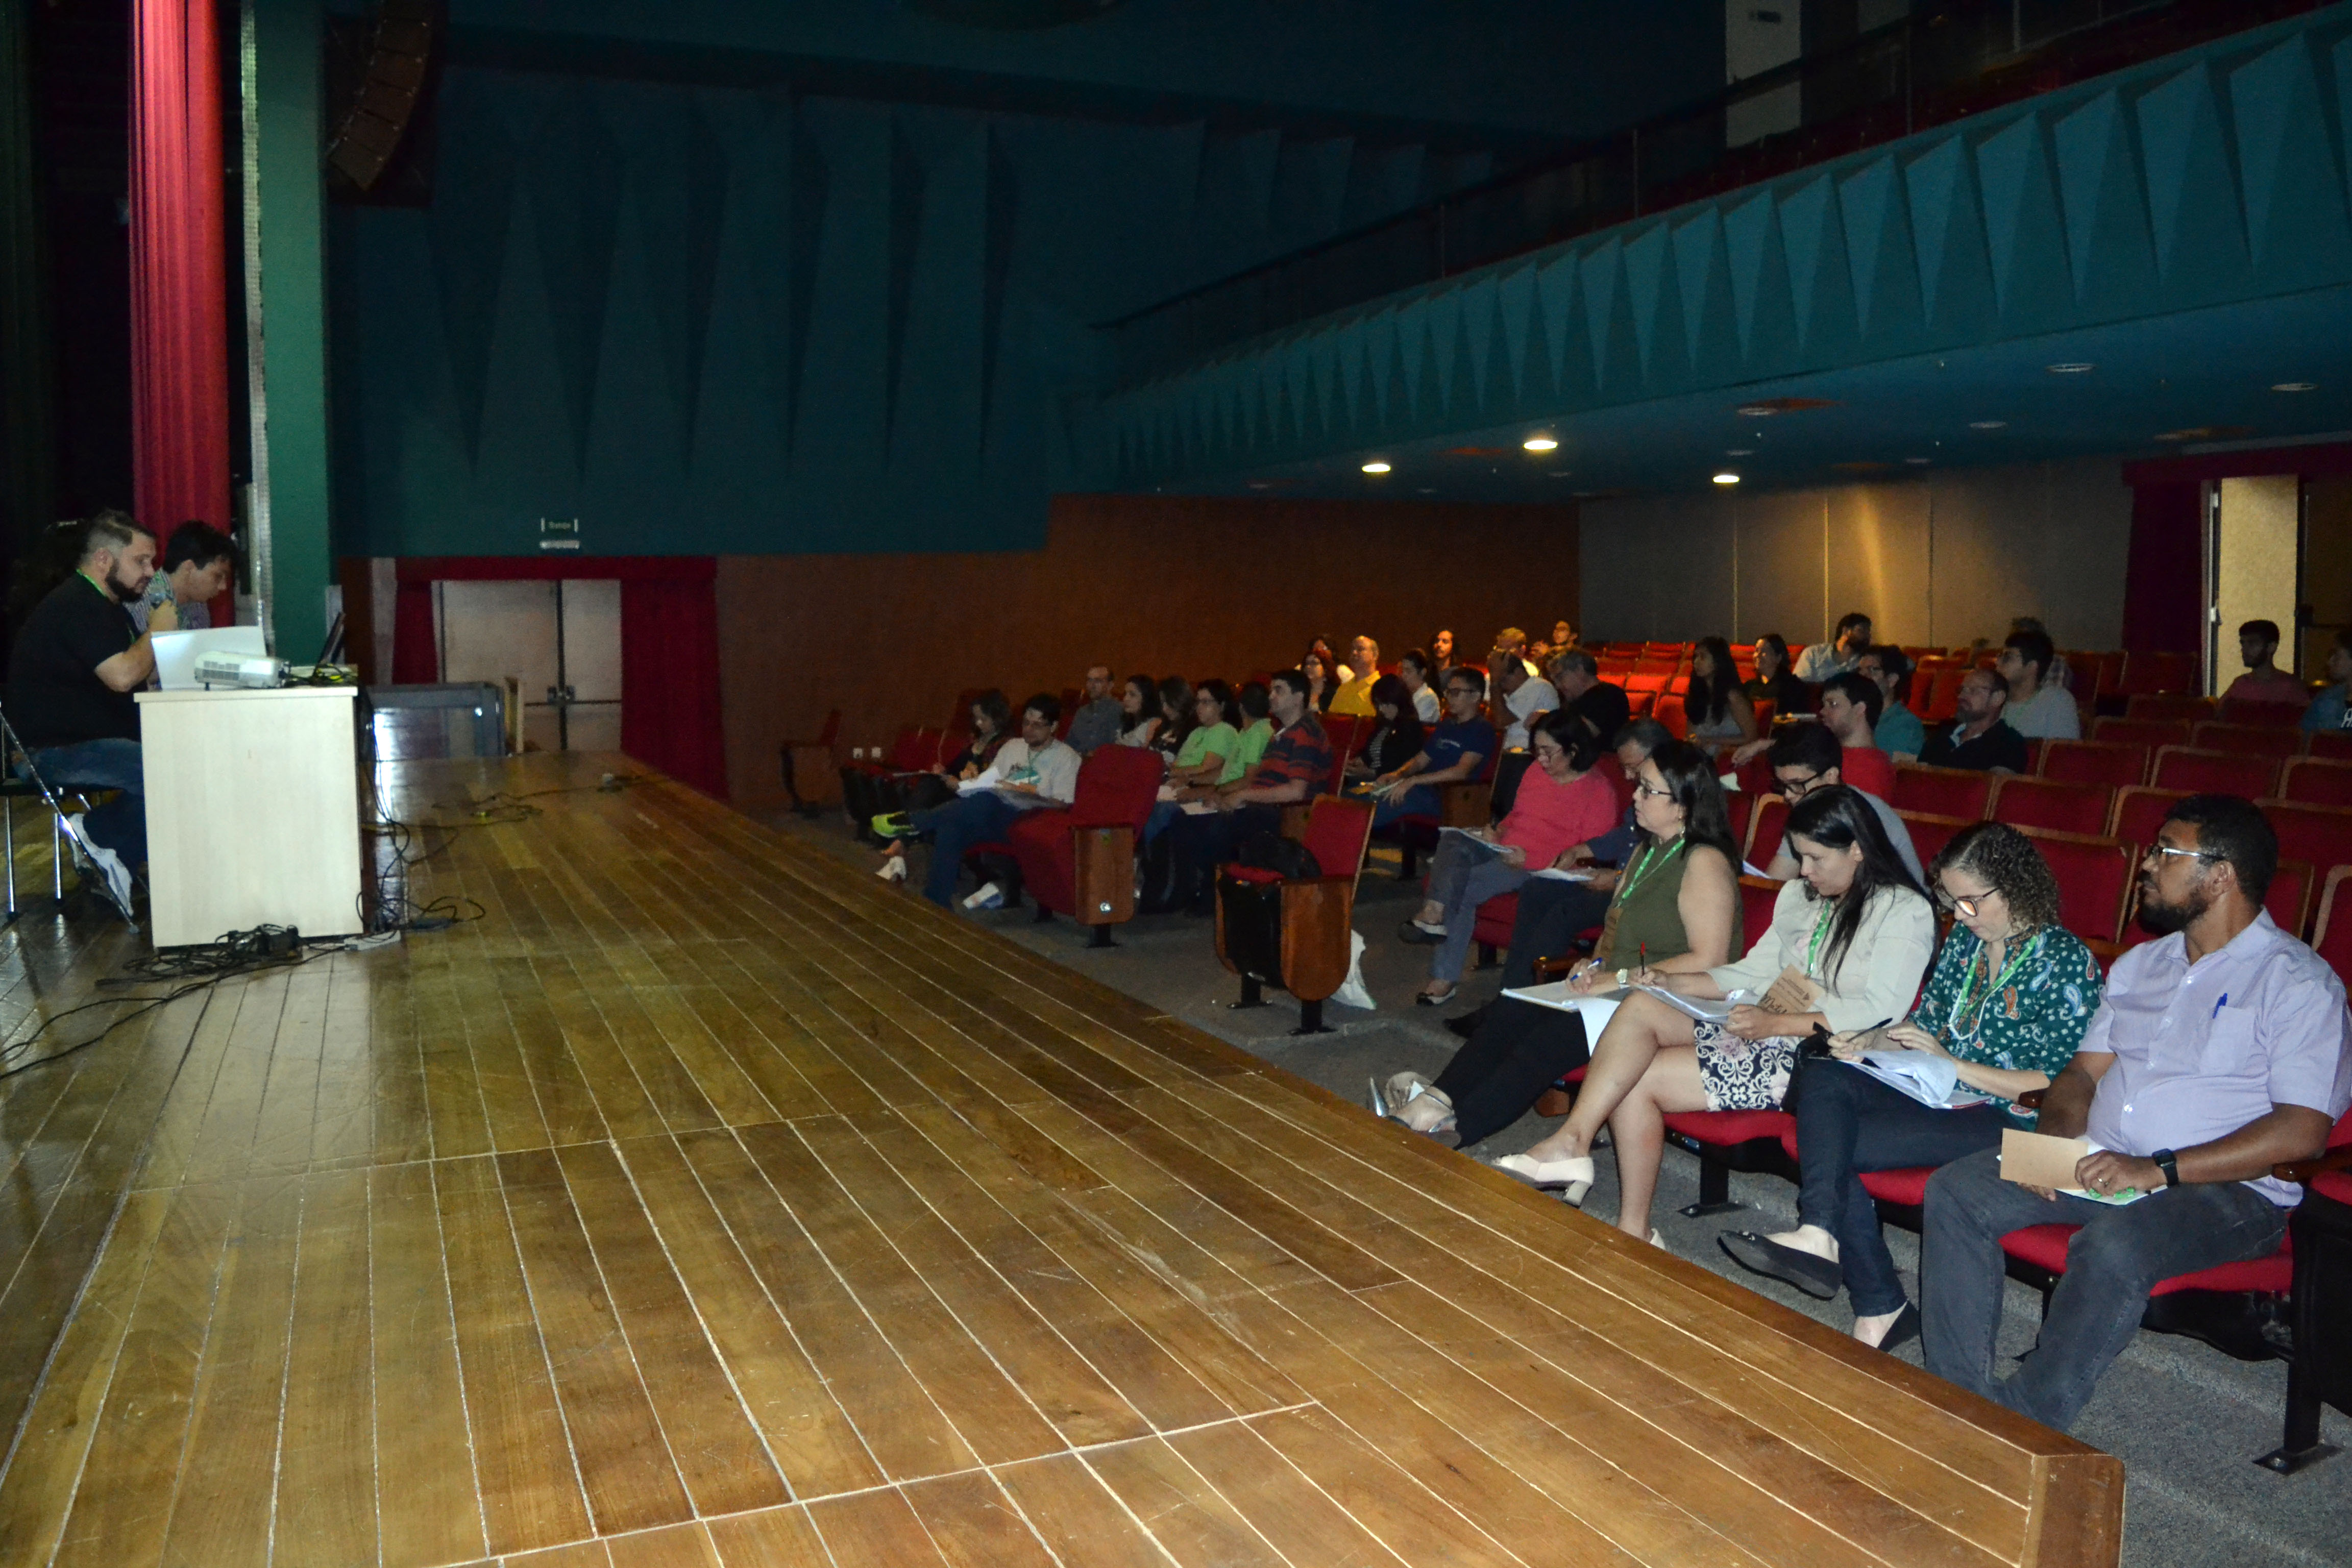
(253, 813)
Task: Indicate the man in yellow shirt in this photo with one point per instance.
(1355, 696)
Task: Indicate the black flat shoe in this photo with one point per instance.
(1816, 1277)
(1414, 932)
(1905, 1328)
(1468, 1024)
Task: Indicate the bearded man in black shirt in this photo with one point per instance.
(78, 661)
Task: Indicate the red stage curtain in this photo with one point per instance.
(179, 284)
(670, 716)
(2164, 576)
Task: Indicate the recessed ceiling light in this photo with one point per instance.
(1376, 468)
(2072, 368)
(2297, 386)
(1741, 452)
(1987, 424)
(1919, 462)
(1427, 490)
(1559, 473)
(1727, 479)
(1541, 444)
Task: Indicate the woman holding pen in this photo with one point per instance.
(1850, 938)
(1676, 901)
(2007, 1005)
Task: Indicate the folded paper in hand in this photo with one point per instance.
(1555, 874)
(980, 784)
(1931, 1079)
(2038, 1160)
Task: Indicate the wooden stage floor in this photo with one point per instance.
(709, 1203)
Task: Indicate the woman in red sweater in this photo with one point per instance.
(1560, 804)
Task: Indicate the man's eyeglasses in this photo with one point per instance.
(1796, 789)
(2158, 851)
(1460, 692)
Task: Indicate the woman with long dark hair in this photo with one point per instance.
(1175, 700)
(1321, 685)
(1397, 735)
(1678, 895)
(1718, 709)
(1850, 935)
(1138, 710)
(2009, 1001)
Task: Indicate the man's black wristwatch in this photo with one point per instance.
(2169, 1162)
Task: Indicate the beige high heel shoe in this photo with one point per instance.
(1571, 1178)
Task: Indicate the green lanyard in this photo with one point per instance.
(1821, 935)
(1969, 996)
(1642, 869)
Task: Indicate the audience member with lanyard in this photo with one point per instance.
(1849, 940)
(2005, 1006)
(2217, 1052)
(1678, 895)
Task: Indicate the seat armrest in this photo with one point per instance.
(1465, 804)
(2301, 1171)
(1555, 968)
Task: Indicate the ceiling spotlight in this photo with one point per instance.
(1739, 452)
(1727, 479)
(1919, 462)
(1376, 468)
(2072, 367)
(1541, 444)
(1987, 424)
(2297, 386)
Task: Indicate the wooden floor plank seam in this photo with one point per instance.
(705, 1202)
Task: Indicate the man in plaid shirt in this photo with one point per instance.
(1297, 764)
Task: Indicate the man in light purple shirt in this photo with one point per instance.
(2217, 1053)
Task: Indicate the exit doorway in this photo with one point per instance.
(561, 642)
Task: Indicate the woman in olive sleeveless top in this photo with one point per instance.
(1678, 893)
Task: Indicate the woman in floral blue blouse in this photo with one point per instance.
(2006, 1006)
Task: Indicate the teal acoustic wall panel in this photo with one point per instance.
(707, 320)
(2216, 177)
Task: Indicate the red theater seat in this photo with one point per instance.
(2331, 935)
(2177, 706)
(1766, 826)
(2095, 763)
(1930, 832)
(2140, 812)
(2317, 781)
(2216, 773)
(2319, 834)
(2148, 732)
(1728, 1141)
(1116, 789)
(1942, 792)
(2335, 743)
(2146, 672)
(2094, 876)
(2047, 803)
(2254, 739)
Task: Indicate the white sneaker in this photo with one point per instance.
(894, 869)
(989, 897)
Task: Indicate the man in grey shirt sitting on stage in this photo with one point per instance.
(2215, 1054)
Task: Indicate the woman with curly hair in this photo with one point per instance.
(2006, 1006)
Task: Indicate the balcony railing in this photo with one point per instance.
(1944, 61)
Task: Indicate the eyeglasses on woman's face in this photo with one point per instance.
(1649, 792)
(1969, 905)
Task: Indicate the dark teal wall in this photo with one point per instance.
(724, 319)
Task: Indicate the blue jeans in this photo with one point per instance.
(1460, 881)
(121, 825)
(955, 827)
(1421, 800)
(1847, 1122)
(2112, 1263)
